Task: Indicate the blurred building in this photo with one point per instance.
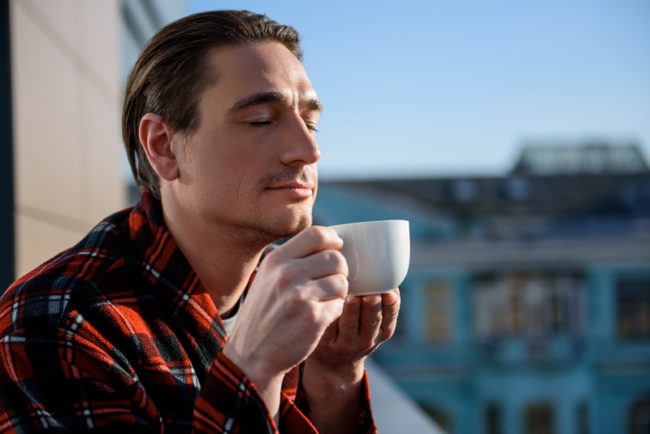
(527, 304)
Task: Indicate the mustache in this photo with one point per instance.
(288, 175)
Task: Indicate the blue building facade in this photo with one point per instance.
(527, 305)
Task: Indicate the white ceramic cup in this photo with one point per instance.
(378, 254)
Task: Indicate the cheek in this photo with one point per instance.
(224, 170)
(228, 181)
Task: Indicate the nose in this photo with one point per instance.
(299, 145)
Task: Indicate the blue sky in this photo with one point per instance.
(434, 88)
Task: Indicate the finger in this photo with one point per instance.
(348, 324)
(323, 263)
(309, 241)
(329, 311)
(371, 311)
(390, 310)
(334, 286)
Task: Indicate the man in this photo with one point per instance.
(163, 319)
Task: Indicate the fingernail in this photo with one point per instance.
(372, 299)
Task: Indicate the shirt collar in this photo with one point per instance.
(165, 264)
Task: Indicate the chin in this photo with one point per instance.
(297, 226)
(291, 226)
(279, 225)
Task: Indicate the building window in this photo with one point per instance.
(638, 419)
(633, 307)
(437, 316)
(538, 419)
(493, 419)
(464, 190)
(517, 188)
(528, 304)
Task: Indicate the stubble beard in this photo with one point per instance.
(299, 219)
(263, 234)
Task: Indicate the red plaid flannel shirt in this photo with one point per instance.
(118, 335)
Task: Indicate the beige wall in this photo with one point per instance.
(67, 143)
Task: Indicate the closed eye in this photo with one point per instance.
(259, 123)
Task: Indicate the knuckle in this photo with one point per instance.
(310, 314)
(295, 292)
(294, 300)
(318, 233)
(321, 234)
(341, 283)
(336, 285)
(335, 261)
(288, 275)
(339, 262)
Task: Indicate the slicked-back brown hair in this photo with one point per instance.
(171, 74)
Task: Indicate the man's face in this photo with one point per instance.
(251, 164)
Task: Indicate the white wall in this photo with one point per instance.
(66, 111)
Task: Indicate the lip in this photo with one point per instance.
(298, 189)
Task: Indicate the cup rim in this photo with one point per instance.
(371, 222)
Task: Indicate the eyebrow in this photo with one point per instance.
(271, 97)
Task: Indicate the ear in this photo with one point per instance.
(156, 139)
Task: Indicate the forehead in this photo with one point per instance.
(256, 67)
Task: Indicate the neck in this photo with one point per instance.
(221, 259)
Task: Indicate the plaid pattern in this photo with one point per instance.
(118, 335)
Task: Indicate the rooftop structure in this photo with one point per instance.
(595, 157)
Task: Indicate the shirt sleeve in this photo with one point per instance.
(228, 401)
